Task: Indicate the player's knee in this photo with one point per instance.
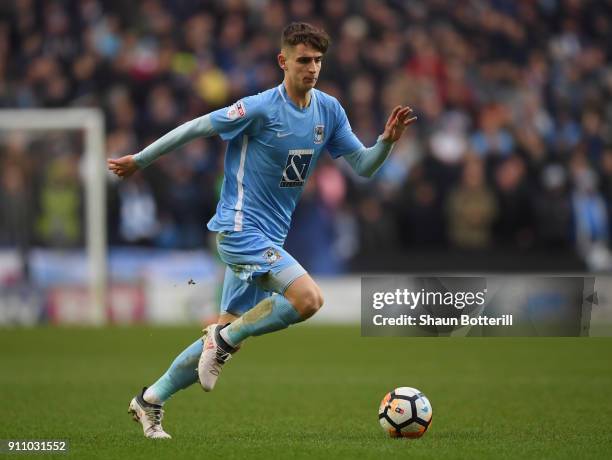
(310, 302)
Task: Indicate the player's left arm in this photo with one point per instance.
(366, 161)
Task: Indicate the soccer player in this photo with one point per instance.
(274, 141)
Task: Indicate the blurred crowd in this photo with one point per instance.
(512, 148)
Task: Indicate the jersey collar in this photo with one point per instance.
(283, 93)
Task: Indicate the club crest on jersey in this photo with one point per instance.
(236, 110)
(319, 134)
(271, 255)
(296, 168)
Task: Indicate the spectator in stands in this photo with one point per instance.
(524, 82)
(471, 209)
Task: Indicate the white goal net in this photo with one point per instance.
(89, 123)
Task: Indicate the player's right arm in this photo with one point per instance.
(228, 122)
(129, 164)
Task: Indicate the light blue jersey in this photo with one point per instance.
(273, 149)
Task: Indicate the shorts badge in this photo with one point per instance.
(271, 255)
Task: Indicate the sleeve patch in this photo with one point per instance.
(236, 110)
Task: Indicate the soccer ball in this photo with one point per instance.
(405, 413)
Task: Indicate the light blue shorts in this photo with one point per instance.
(256, 268)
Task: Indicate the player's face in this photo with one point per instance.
(302, 66)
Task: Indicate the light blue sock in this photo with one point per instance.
(269, 315)
(182, 373)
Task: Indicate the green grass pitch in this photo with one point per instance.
(310, 392)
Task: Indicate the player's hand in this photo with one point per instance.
(122, 167)
(396, 124)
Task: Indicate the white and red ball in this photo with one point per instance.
(405, 412)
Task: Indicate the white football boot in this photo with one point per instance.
(215, 353)
(149, 416)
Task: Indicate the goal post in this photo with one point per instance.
(91, 122)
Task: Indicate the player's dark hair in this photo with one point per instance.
(302, 32)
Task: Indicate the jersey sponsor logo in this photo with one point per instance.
(296, 168)
(319, 134)
(236, 110)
